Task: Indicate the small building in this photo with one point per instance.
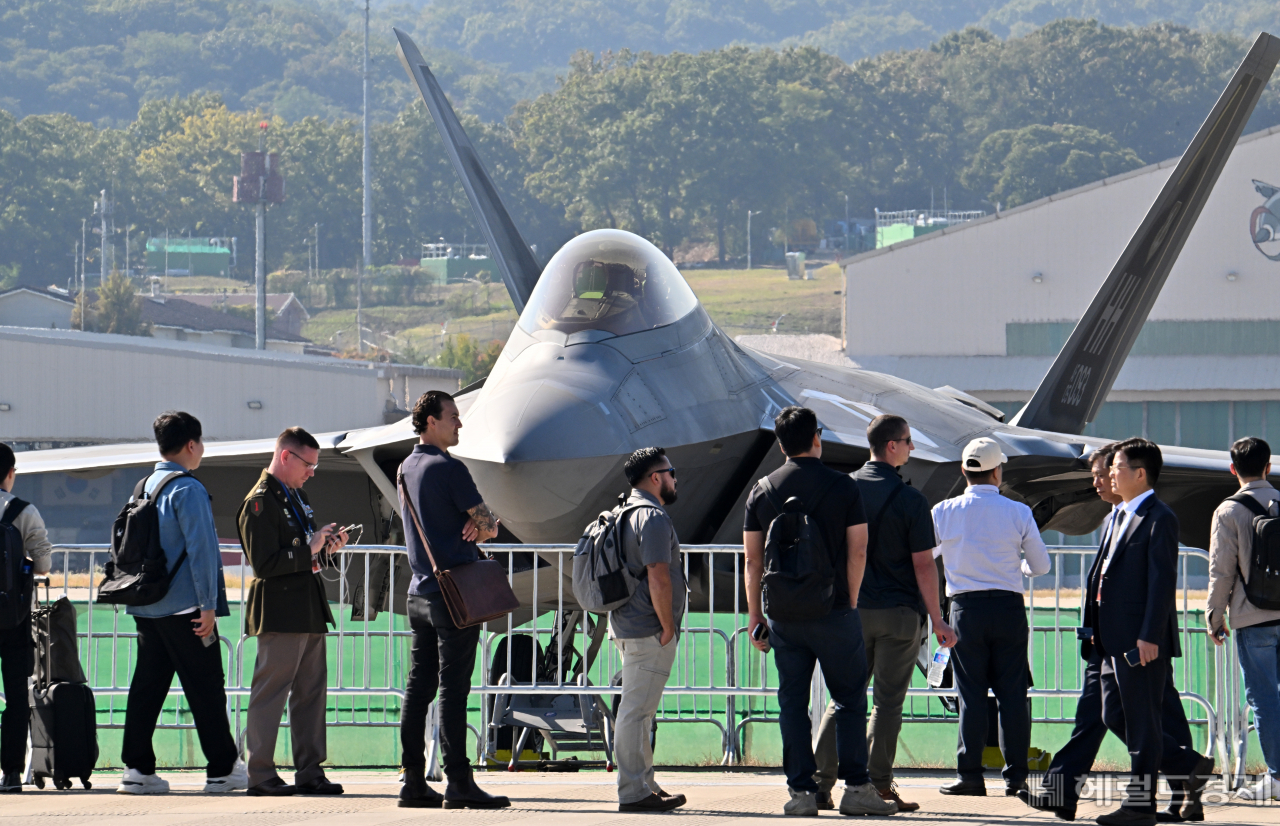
(451, 263)
(177, 319)
(288, 311)
(191, 256)
(46, 308)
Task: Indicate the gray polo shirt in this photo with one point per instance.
(648, 537)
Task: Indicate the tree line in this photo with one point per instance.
(675, 147)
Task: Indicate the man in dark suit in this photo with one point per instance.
(1130, 604)
(1073, 761)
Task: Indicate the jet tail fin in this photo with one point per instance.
(1082, 375)
(515, 260)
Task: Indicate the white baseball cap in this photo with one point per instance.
(982, 455)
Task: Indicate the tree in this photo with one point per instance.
(1017, 166)
(118, 309)
(464, 353)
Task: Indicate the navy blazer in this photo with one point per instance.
(1139, 589)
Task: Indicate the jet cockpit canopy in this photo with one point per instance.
(607, 280)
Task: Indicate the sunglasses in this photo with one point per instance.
(906, 439)
(670, 470)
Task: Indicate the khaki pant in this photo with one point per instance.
(288, 667)
(892, 640)
(646, 665)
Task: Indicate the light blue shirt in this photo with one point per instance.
(987, 542)
(186, 524)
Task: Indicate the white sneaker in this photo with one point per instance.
(865, 800)
(1266, 788)
(135, 782)
(801, 804)
(238, 780)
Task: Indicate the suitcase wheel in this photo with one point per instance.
(39, 782)
(84, 781)
(61, 783)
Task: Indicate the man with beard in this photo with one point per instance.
(645, 628)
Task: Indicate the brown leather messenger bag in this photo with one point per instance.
(475, 592)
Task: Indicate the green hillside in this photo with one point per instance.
(102, 59)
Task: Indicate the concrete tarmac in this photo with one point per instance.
(738, 798)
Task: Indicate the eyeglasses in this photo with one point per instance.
(670, 470)
(819, 431)
(310, 466)
(906, 439)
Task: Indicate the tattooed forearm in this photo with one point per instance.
(486, 522)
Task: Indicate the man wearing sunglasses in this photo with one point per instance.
(645, 628)
(288, 612)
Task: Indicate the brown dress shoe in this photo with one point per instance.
(891, 793)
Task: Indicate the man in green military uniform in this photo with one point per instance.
(288, 613)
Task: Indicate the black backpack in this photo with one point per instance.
(799, 580)
(15, 570)
(1263, 587)
(137, 572)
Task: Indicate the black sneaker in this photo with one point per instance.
(10, 783)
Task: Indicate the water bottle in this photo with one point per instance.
(938, 666)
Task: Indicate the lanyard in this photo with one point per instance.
(304, 523)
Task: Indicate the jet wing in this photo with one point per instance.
(519, 269)
(1081, 377)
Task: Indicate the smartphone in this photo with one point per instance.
(1220, 634)
(1083, 634)
(760, 632)
(1133, 658)
(211, 639)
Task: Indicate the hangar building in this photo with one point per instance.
(61, 388)
(986, 305)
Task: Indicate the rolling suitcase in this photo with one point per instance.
(64, 727)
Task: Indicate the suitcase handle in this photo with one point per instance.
(43, 579)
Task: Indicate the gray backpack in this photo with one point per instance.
(601, 580)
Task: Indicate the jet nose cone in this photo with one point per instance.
(539, 418)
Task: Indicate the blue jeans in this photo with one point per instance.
(834, 642)
(1259, 650)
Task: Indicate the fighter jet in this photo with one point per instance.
(613, 352)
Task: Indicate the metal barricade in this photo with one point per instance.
(719, 679)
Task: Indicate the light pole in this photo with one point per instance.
(367, 159)
(749, 214)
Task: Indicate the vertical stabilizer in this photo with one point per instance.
(1082, 375)
(515, 261)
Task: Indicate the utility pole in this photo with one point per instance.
(166, 258)
(846, 224)
(360, 307)
(84, 257)
(367, 160)
(260, 255)
(749, 214)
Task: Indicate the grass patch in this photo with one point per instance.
(740, 301)
(203, 284)
(748, 301)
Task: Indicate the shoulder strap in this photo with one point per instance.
(141, 489)
(406, 502)
(771, 494)
(1249, 502)
(873, 523)
(11, 510)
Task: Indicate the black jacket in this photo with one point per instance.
(1140, 586)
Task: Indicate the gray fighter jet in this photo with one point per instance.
(613, 352)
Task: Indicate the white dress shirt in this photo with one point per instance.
(1124, 513)
(987, 542)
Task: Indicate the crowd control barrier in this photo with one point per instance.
(719, 679)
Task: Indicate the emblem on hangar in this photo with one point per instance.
(1264, 223)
